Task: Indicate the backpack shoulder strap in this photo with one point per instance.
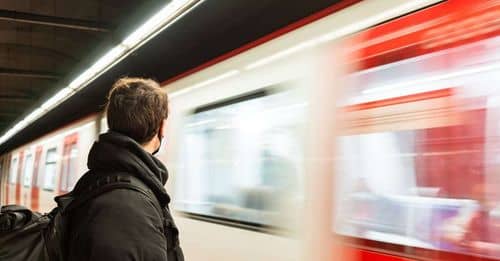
(108, 183)
(88, 188)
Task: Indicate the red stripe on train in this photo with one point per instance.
(374, 256)
(401, 99)
(35, 198)
(35, 190)
(361, 254)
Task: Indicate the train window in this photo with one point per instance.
(49, 178)
(241, 158)
(401, 187)
(28, 171)
(13, 171)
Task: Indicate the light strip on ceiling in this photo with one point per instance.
(169, 14)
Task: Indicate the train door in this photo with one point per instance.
(1, 182)
(12, 179)
(27, 177)
(48, 179)
(69, 166)
(35, 188)
(4, 174)
(319, 156)
(17, 178)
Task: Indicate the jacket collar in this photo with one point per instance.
(115, 152)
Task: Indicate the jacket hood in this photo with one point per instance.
(115, 152)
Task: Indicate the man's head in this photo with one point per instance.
(137, 108)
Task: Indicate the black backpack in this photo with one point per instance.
(30, 236)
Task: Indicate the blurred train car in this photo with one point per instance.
(365, 133)
(417, 162)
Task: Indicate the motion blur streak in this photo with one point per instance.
(418, 153)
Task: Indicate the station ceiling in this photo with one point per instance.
(44, 44)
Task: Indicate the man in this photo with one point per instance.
(124, 224)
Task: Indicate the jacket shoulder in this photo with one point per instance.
(118, 225)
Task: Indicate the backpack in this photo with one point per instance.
(30, 236)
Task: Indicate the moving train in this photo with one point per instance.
(368, 132)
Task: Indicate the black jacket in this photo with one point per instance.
(124, 224)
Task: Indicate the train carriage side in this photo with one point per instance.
(49, 166)
(234, 126)
(417, 150)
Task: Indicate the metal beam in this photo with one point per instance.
(9, 115)
(85, 25)
(29, 73)
(16, 91)
(16, 100)
(16, 97)
(12, 110)
(29, 49)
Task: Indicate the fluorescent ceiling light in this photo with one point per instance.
(204, 83)
(155, 22)
(108, 58)
(98, 67)
(344, 31)
(19, 125)
(159, 21)
(57, 98)
(34, 115)
(9, 133)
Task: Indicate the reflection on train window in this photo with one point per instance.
(13, 171)
(28, 171)
(401, 187)
(241, 160)
(49, 178)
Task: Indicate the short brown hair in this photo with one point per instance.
(136, 107)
